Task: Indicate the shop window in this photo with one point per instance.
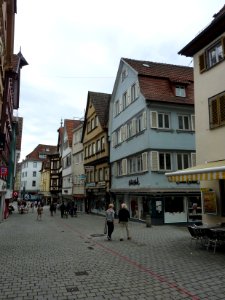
(174, 204)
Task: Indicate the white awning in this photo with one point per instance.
(207, 171)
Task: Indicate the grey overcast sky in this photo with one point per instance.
(73, 47)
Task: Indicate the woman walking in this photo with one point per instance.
(110, 214)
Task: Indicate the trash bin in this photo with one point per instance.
(148, 221)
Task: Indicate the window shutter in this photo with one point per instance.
(114, 169)
(202, 63)
(145, 161)
(222, 109)
(124, 166)
(154, 119)
(120, 105)
(214, 110)
(154, 161)
(193, 122)
(137, 90)
(125, 132)
(193, 159)
(223, 44)
(113, 139)
(134, 126)
(144, 121)
(129, 96)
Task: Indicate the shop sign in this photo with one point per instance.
(3, 171)
(209, 202)
(134, 181)
(89, 168)
(90, 184)
(101, 183)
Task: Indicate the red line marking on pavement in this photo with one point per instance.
(137, 265)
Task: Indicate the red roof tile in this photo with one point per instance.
(69, 126)
(157, 81)
(41, 149)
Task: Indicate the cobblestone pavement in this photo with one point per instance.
(71, 259)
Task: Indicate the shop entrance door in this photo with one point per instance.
(157, 211)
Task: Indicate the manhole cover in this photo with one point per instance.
(97, 234)
(91, 248)
(81, 273)
(72, 289)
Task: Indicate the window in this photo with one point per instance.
(103, 143)
(88, 126)
(217, 111)
(117, 107)
(215, 54)
(119, 168)
(93, 148)
(34, 174)
(124, 75)
(124, 100)
(92, 123)
(164, 161)
(133, 92)
(33, 183)
(34, 164)
(90, 150)
(184, 122)
(159, 120)
(163, 121)
(180, 91)
(212, 55)
(182, 161)
(98, 145)
(100, 174)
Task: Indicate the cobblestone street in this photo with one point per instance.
(71, 259)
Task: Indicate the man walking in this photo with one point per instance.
(124, 217)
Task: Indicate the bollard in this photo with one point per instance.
(148, 221)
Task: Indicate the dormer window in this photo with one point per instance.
(180, 91)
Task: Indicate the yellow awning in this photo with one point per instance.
(208, 171)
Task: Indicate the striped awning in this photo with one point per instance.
(207, 171)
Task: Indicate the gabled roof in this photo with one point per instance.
(69, 126)
(157, 80)
(206, 36)
(41, 149)
(100, 101)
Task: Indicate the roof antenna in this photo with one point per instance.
(61, 123)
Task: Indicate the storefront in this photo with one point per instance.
(163, 207)
(211, 176)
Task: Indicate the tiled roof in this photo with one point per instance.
(41, 149)
(157, 80)
(101, 105)
(220, 13)
(69, 126)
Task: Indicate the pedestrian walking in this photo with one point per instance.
(110, 214)
(124, 217)
(51, 208)
(39, 212)
(62, 209)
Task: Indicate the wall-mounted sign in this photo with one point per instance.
(134, 181)
(209, 202)
(3, 171)
(89, 168)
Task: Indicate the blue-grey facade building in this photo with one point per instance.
(151, 132)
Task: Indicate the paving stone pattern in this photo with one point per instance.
(70, 258)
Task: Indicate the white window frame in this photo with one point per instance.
(183, 122)
(180, 91)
